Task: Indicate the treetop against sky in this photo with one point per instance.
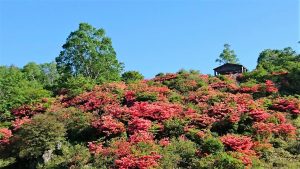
(151, 36)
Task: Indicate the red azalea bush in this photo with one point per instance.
(5, 134)
(287, 105)
(249, 89)
(19, 122)
(264, 129)
(29, 110)
(143, 162)
(168, 76)
(270, 87)
(242, 144)
(93, 100)
(139, 124)
(259, 115)
(108, 125)
(155, 111)
(221, 110)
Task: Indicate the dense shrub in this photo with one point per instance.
(42, 133)
(212, 146)
(166, 122)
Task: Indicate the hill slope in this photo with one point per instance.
(182, 120)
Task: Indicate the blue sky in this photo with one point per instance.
(151, 36)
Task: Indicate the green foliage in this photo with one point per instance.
(212, 145)
(16, 90)
(279, 158)
(174, 127)
(70, 156)
(175, 97)
(227, 56)
(219, 161)
(180, 153)
(185, 81)
(43, 133)
(294, 148)
(50, 75)
(32, 71)
(78, 84)
(88, 51)
(76, 122)
(132, 76)
(147, 96)
(46, 73)
(280, 66)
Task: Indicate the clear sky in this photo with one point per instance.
(151, 36)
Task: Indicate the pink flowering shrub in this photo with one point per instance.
(5, 134)
(242, 144)
(270, 87)
(259, 115)
(19, 122)
(139, 124)
(108, 125)
(155, 111)
(29, 110)
(287, 105)
(172, 121)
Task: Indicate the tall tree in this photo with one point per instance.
(227, 56)
(32, 71)
(50, 74)
(16, 89)
(89, 52)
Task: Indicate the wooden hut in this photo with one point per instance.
(229, 68)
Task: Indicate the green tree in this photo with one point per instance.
(33, 71)
(280, 66)
(88, 51)
(227, 55)
(77, 85)
(16, 90)
(277, 60)
(50, 74)
(43, 133)
(132, 76)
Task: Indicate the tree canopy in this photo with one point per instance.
(227, 56)
(88, 51)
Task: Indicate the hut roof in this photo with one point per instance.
(228, 66)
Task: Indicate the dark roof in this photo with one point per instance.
(230, 65)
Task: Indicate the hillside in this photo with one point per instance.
(176, 120)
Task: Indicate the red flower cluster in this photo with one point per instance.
(270, 87)
(221, 110)
(143, 162)
(108, 125)
(93, 100)
(267, 129)
(155, 111)
(287, 105)
(264, 129)
(5, 134)
(141, 136)
(259, 115)
(166, 77)
(138, 124)
(95, 148)
(164, 142)
(247, 89)
(242, 144)
(29, 110)
(130, 97)
(19, 122)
